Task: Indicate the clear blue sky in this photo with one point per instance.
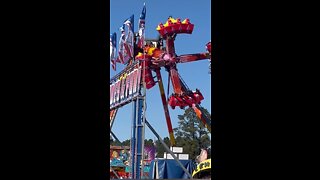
(195, 74)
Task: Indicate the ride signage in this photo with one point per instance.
(125, 87)
(202, 166)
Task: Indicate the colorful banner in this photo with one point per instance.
(113, 50)
(121, 52)
(142, 26)
(129, 38)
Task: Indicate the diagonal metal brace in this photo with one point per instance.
(168, 149)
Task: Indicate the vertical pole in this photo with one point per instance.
(137, 163)
(137, 144)
(139, 138)
(143, 87)
(134, 121)
(133, 140)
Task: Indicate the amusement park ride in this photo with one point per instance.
(144, 59)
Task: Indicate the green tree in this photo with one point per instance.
(148, 142)
(159, 147)
(191, 134)
(115, 142)
(126, 143)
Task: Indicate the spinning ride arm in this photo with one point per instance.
(193, 57)
(176, 83)
(165, 107)
(182, 95)
(202, 116)
(196, 107)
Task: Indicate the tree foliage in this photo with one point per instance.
(191, 134)
(159, 147)
(148, 142)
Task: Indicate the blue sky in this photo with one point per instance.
(195, 74)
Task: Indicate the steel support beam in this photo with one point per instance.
(114, 136)
(168, 149)
(115, 173)
(133, 139)
(137, 138)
